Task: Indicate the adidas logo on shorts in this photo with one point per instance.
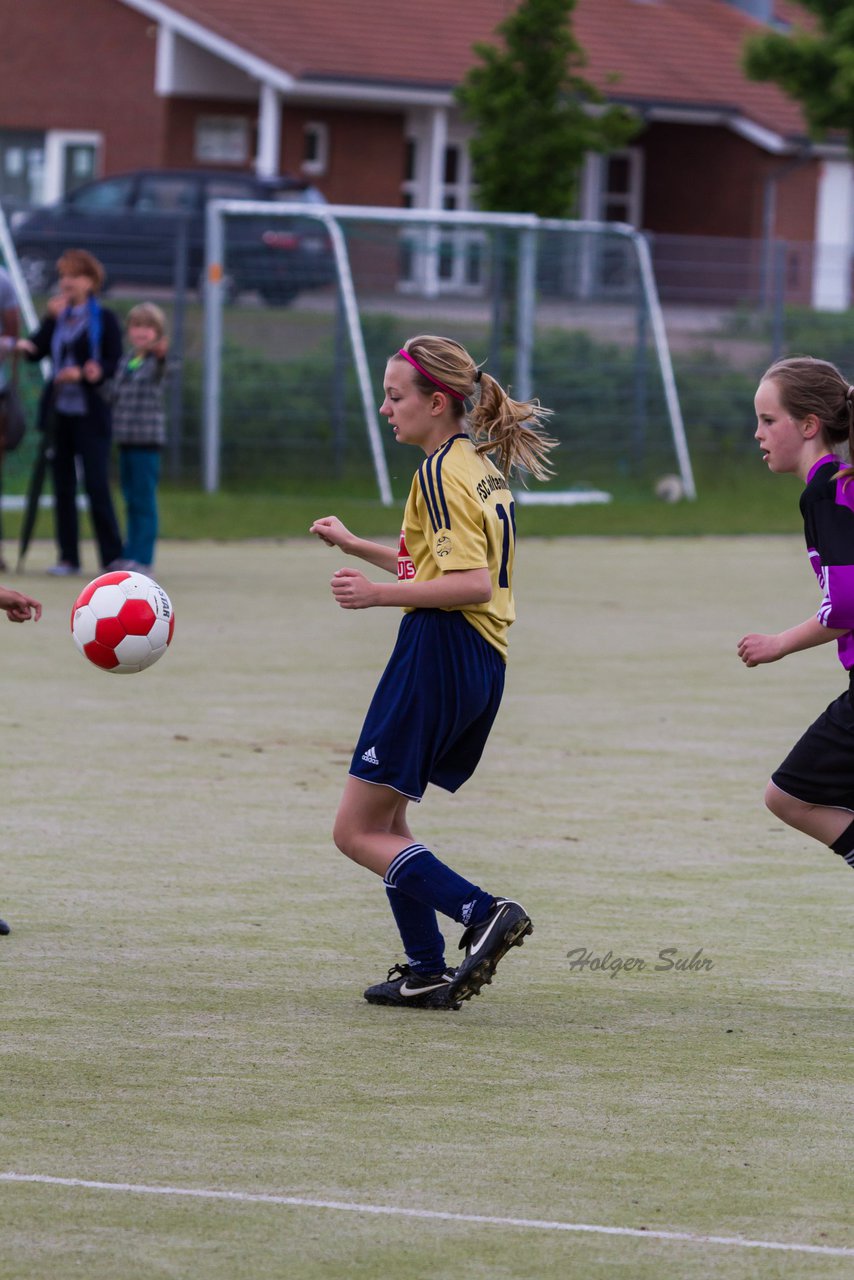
(370, 756)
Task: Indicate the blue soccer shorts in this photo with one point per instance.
(433, 708)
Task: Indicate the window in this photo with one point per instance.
(612, 191)
(613, 186)
(39, 168)
(315, 149)
(449, 261)
(295, 194)
(78, 165)
(21, 165)
(231, 189)
(111, 194)
(222, 139)
(167, 194)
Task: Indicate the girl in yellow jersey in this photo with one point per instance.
(437, 699)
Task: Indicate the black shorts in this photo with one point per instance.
(820, 767)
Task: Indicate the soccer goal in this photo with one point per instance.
(564, 310)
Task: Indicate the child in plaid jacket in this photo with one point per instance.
(139, 428)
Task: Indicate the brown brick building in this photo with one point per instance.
(360, 98)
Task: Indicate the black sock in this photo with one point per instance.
(844, 845)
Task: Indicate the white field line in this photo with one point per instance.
(529, 1224)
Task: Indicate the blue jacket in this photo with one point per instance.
(99, 414)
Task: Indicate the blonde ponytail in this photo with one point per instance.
(511, 429)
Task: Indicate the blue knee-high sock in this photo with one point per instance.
(419, 932)
(420, 875)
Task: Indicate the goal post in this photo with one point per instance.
(438, 256)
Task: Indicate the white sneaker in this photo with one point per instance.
(64, 570)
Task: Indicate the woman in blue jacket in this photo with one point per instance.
(83, 341)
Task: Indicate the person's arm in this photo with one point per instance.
(454, 589)
(829, 534)
(754, 650)
(9, 322)
(37, 345)
(335, 534)
(9, 330)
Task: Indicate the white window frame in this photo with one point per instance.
(56, 142)
(596, 259)
(594, 194)
(432, 134)
(319, 131)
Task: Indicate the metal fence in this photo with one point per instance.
(506, 285)
(292, 410)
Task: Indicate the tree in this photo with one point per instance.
(815, 67)
(534, 114)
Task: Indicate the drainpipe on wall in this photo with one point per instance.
(435, 184)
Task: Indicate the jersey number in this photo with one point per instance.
(508, 519)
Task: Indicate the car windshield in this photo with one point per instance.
(231, 189)
(167, 194)
(112, 194)
(296, 195)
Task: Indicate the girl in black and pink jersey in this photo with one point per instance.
(805, 427)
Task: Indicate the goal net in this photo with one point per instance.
(565, 311)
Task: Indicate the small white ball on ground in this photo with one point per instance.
(670, 489)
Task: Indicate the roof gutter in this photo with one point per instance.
(726, 117)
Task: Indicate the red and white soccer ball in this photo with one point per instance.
(122, 622)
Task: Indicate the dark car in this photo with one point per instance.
(132, 224)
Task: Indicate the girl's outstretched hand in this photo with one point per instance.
(18, 607)
(331, 531)
(756, 649)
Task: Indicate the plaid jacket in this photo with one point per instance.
(139, 415)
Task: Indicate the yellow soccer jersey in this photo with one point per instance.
(460, 515)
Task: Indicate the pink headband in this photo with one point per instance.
(441, 385)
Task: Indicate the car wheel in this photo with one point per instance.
(36, 270)
(278, 295)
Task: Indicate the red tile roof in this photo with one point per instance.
(684, 52)
(677, 52)
(406, 42)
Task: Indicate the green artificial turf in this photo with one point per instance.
(182, 985)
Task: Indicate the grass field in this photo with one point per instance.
(182, 1013)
